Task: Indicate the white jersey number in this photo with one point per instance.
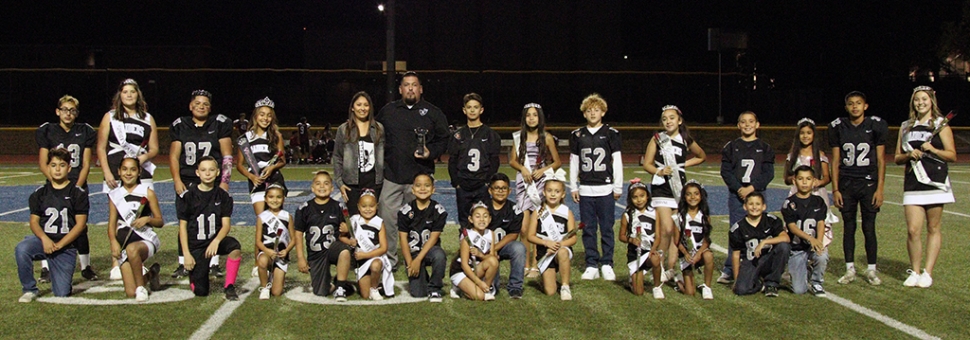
(211, 227)
(414, 239)
(588, 163)
(191, 148)
(52, 215)
(807, 226)
(316, 233)
(748, 165)
(851, 158)
(476, 160)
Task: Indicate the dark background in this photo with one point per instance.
(311, 56)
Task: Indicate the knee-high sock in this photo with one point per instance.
(232, 268)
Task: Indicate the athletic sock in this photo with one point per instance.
(85, 260)
(850, 266)
(232, 267)
(181, 260)
(43, 264)
(214, 261)
(872, 267)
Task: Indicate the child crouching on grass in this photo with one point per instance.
(368, 235)
(694, 239)
(639, 230)
(476, 265)
(133, 212)
(317, 222)
(551, 230)
(274, 243)
(764, 243)
(419, 225)
(804, 214)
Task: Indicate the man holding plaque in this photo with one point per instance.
(416, 133)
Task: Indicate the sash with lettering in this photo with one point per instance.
(666, 148)
(129, 211)
(131, 150)
(917, 164)
(364, 243)
(551, 232)
(280, 235)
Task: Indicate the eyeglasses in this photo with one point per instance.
(500, 189)
(72, 111)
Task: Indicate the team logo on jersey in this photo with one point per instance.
(423, 112)
(458, 135)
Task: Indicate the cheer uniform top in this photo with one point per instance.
(914, 192)
(483, 242)
(642, 223)
(661, 192)
(128, 136)
(263, 152)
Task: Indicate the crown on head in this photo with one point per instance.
(274, 186)
(477, 205)
(531, 105)
(694, 181)
(806, 120)
(129, 81)
(637, 183)
(202, 93)
(672, 107)
(923, 88)
(266, 102)
(367, 192)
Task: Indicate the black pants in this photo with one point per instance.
(858, 193)
(199, 276)
(765, 270)
(320, 268)
(467, 198)
(422, 285)
(178, 200)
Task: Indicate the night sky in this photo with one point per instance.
(814, 51)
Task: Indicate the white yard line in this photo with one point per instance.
(21, 174)
(222, 314)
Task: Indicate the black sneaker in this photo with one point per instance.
(152, 278)
(515, 294)
(435, 297)
(340, 295)
(771, 291)
(216, 271)
(89, 274)
(180, 272)
(231, 293)
(45, 275)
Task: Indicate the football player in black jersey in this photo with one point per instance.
(858, 145)
(596, 175)
(78, 139)
(765, 246)
(473, 151)
(507, 224)
(317, 224)
(194, 137)
(64, 208)
(747, 165)
(804, 214)
(420, 223)
(204, 227)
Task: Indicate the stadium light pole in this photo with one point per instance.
(388, 10)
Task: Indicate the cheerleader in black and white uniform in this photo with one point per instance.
(476, 265)
(133, 212)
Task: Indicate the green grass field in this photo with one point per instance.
(599, 310)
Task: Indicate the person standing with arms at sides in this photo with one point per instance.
(929, 145)
(263, 141)
(533, 153)
(78, 139)
(473, 157)
(194, 137)
(858, 147)
(303, 131)
(126, 131)
(402, 160)
(747, 166)
(596, 147)
(666, 159)
(358, 161)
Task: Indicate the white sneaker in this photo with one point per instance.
(565, 294)
(141, 294)
(873, 278)
(658, 293)
(489, 297)
(707, 293)
(925, 281)
(848, 277)
(454, 293)
(375, 295)
(725, 278)
(27, 297)
(264, 293)
(115, 273)
(912, 280)
(678, 276)
(255, 272)
(591, 274)
(663, 275)
(608, 273)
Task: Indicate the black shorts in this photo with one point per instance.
(199, 276)
(857, 191)
(320, 277)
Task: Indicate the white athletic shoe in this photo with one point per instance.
(873, 278)
(658, 293)
(707, 293)
(375, 295)
(141, 294)
(255, 272)
(565, 294)
(27, 297)
(454, 293)
(725, 278)
(264, 293)
(608, 273)
(912, 280)
(489, 296)
(591, 274)
(115, 273)
(925, 281)
(848, 277)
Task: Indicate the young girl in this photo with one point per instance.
(476, 265)
(694, 239)
(551, 229)
(130, 229)
(639, 232)
(805, 152)
(666, 158)
(374, 271)
(533, 152)
(274, 243)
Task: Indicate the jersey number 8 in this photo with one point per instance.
(190, 151)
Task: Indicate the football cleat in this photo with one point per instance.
(340, 295)
(231, 294)
(89, 274)
(27, 297)
(848, 277)
(818, 290)
(771, 291)
(216, 271)
(872, 278)
(725, 278)
(45, 277)
(434, 297)
(180, 272)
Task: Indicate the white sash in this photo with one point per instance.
(131, 150)
(666, 148)
(129, 211)
(549, 222)
(282, 234)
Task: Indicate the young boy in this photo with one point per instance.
(747, 166)
(77, 139)
(473, 157)
(204, 230)
(595, 161)
(318, 222)
(766, 249)
(420, 223)
(858, 144)
(804, 214)
(507, 224)
(195, 137)
(64, 208)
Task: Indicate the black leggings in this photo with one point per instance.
(858, 193)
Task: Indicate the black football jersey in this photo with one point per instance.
(642, 223)
(303, 130)
(320, 225)
(595, 152)
(807, 214)
(745, 158)
(203, 211)
(137, 132)
(57, 208)
(242, 125)
(857, 145)
(81, 136)
(507, 220)
(199, 141)
(474, 156)
(419, 224)
(745, 238)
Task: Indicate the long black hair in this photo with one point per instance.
(540, 140)
(631, 210)
(796, 149)
(703, 206)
